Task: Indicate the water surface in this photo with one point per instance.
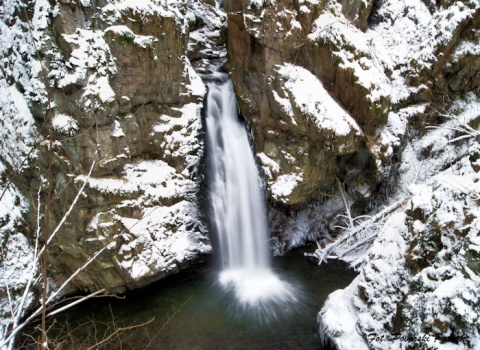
(205, 315)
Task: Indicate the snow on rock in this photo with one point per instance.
(21, 85)
(409, 37)
(18, 137)
(165, 233)
(117, 130)
(90, 65)
(17, 51)
(125, 32)
(17, 256)
(270, 167)
(196, 87)
(64, 124)
(306, 94)
(114, 11)
(315, 124)
(208, 39)
(280, 183)
(157, 248)
(19, 43)
(16, 252)
(339, 317)
(379, 306)
(182, 136)
(256, 3)
(354, 51)
(284, 185)
(18, 133)
(467, 48)
(152, 221)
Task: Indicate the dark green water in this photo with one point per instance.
(191, 311)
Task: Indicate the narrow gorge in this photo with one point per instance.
(117, 175)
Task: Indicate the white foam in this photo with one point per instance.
(254, 287)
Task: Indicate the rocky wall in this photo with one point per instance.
(263, 37)
(118, 95)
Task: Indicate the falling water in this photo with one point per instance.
(239, 214)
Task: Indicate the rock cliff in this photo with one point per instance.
(104, 95)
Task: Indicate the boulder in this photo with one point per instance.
(309, 139)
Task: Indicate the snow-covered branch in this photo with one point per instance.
(361, 232)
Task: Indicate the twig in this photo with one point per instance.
(38, 312)
(119, 330)
(166, 322)
(63, 308)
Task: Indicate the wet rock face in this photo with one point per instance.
(125, 98)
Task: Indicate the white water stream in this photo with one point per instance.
(239, 214)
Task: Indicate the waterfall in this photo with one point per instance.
(238, 206)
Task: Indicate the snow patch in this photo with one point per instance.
(18, 130)
(284, 185)
(307, 93)
(64, 124)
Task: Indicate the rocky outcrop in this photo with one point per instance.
(298, 165)
(262, 37)
(141, 121)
